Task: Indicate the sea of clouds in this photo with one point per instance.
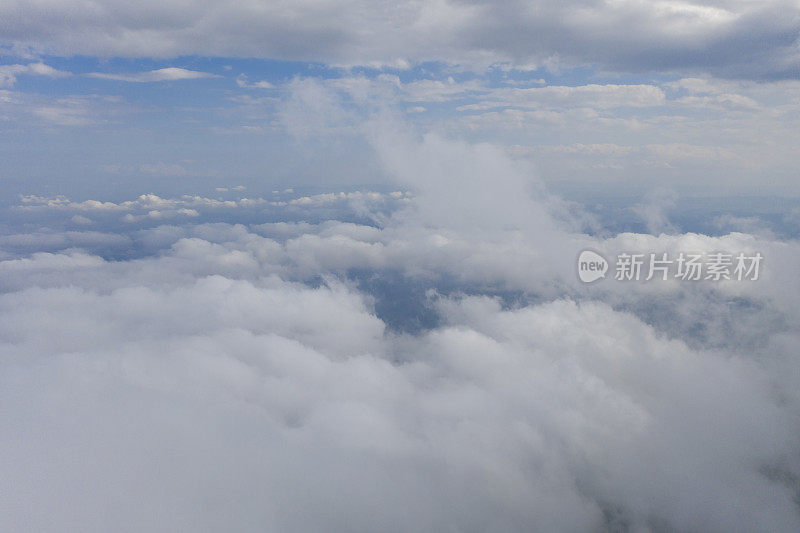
(422, 359)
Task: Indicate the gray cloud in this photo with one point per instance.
(730, 38)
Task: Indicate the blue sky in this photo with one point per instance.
(226, 119)
(602, 97)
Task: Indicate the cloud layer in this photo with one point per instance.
(197, 390)
(240, 376)
(731, 38)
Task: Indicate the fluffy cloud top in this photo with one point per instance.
(201, 388)
(223, 376)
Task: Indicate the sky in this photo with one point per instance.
(624, 96)
(316, 266)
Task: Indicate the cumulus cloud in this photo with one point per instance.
(368, 203)
(143, 202)
(196, 376)
(242, 376)
(81, 220)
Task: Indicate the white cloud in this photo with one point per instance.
(48, 240)
(242, 81)
(653, 211)
(229, 377)
(665, 133)
(198, 373)
(437, 90)
(162, 74)
(9, 73)
(592, 95)
(66, 115)
(24, 109)
(329, 198)
(81, 220)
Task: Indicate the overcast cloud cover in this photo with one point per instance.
(311, 266)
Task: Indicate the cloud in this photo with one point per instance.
(81, 220)
(162, 74)
(242, 81)
(163, 169)
(198, 373)
(9, 73)
(25, 109)
(224, 376)
(363, 200)
(353, 197)
(592, 95)
(738, 39)
(67, 115)
(654, 211)
(97, 241)
(666, 132)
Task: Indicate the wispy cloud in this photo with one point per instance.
(162, 74)
(163, 169)
(9, 73)
(242, 81)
